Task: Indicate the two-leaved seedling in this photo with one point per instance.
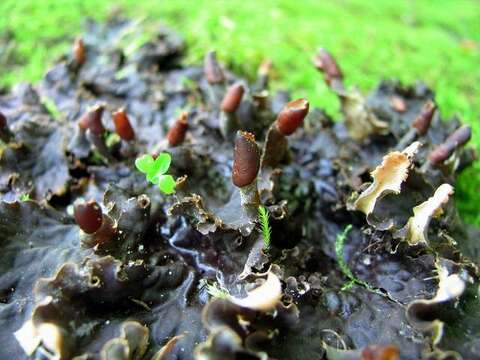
(155, 171)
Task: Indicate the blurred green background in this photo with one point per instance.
(435, 41)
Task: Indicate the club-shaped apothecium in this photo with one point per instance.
(231, 101)
(246, 159)
(176, 134)
(288, 120)
(423, 120)
(232, 98)
(123, 127)
(456, 140)
(88, 216)
(79, 52)
(419, 126)
(96, 130)
(212, 70)
(263, 75)
(246, 165)
(215, 78)
(291, 116)
(94, 119)
(325, 63)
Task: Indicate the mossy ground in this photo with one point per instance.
(435, 41)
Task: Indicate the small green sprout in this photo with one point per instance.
(217, 291)
(339, 245)
(51, 107)
(25, 197)
(112, 139)
(264, 223)
(155, 170)
(339, 249)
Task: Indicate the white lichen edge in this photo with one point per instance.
(417, 225)
(387, 178)
(263, 298)
(49, 335)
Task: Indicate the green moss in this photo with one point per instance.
(265, 225)
(352, 279)
(437, 42)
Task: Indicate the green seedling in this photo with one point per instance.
(217, 291)
(353, 280)
(155, 169)
(264, 223)
(51, 108)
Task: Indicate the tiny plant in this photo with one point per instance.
(339, 249)
(264, 223)
(217, 291)
(51, 107)
(155, 169)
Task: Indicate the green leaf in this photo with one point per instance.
(162, 163)
(166, 183)
(153, 169)
(145, 163)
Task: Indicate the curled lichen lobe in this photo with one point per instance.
(292, 115)
(246, 159)
(177, 132)
(232, 98)
(123, 127)
(88, 216)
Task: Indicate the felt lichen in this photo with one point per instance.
(155, 171)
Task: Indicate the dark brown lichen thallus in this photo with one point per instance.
(325, 63)
(246, 159)
(5, 133)
(233, 98)
(292, 115)
(88, 216)
(457, 139)
(423, 120)
(123, 127)
(176, 134)
(3, 121)
(211, 68)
